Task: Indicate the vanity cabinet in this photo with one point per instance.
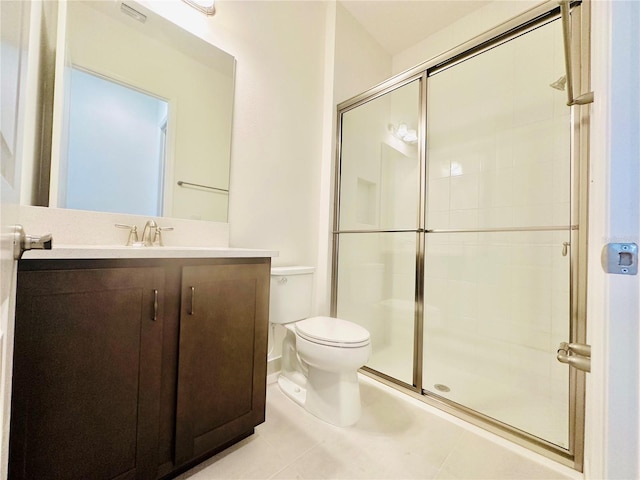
(86, 382)
(221, 356)
(135, 369)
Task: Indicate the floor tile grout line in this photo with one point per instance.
(295, 459)
(449, 455)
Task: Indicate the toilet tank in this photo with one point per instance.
(290, 297)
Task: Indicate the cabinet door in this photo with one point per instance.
(86, 374)
(222, 356)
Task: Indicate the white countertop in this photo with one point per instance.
(68, 252)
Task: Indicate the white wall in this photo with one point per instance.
(464, 29)
(278, 118)
(360, 61)
(613, 395)
(623, 428)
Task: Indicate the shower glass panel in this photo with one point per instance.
(380, 167)
(377, 227)
(498, 216)
(376, 289)
(496, 307)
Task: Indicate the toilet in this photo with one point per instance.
(320, 355)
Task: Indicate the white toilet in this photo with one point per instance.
(320, 355)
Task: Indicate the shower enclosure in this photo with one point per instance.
(457, 232)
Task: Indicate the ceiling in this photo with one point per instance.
(399, 24)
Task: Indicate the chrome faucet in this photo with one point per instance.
(149, 233)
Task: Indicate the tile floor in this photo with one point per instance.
(397, 437)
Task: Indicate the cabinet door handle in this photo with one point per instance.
(155, 305)
(193, 296)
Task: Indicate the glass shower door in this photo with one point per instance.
(498, 223)
(377, 225)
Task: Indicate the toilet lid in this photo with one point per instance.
(332, 331)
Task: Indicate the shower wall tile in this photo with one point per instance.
(439, 164)
(505, 146)
(500, 289)
(496, 330)
(562, 214)
(463, 219)
(532, 255)
(438, 220)
(469, 291)
(497, 188)
(532, 185)
(561, 180)
(558, 391)
(496, 217)
(436, 263)
(533, 308)
(535, 238)
(515, 137)
(560, 311)
(437, 292)
(534, 215)
(438, 195)
(530, 361)
(464, 192)
(538, 140)
(464, 238)
(470, 161)
(494, 360)
(560, 276)
(526, 277)
(561, 123)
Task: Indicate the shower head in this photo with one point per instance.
(560, 83)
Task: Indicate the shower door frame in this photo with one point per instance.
(573, 456)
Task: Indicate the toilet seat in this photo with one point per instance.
(332, 332)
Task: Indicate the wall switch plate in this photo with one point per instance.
(620, 258)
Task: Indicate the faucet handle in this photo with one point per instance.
(133, 233)
(157, 239)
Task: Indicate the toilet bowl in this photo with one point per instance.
(320, 355)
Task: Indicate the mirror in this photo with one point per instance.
(142, 116)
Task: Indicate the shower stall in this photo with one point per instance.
(458, 230)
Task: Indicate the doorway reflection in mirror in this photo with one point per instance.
(115, 151)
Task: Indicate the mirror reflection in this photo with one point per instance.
(145, 125)
(117, 136)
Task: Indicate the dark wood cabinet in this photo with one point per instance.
(86, 374)
(135, 369)
(221, 366)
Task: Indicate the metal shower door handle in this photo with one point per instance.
(577, 355)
